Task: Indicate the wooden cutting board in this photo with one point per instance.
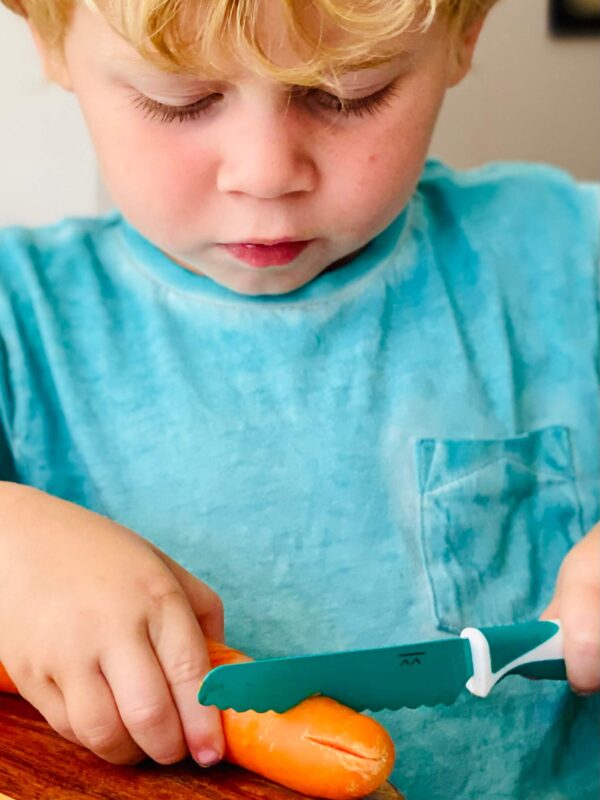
(37, 764)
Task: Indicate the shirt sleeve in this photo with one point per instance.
(596, 188)
(593, 189)
(7, 464)
(8, 470)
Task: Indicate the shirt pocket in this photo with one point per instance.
(497, 518)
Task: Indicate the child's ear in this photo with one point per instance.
(463, 49)
(53, 61)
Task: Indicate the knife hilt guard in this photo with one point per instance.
(532, 649)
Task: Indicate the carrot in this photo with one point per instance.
(319, 747)
(6, 685)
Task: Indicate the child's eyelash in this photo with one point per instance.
(162, 112)
(358, 106)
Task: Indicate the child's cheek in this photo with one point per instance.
(379, 181)
(158, 178)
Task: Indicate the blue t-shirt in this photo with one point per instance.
(404, 447)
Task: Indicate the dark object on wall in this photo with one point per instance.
(575, 17)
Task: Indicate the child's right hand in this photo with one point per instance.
(103, 633)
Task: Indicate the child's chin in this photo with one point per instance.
(269, 289)
(269, 282)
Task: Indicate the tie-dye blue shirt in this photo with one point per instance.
(404, 447)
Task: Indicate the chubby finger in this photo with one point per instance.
(204, 601)
(95, 720)
(49, 701)
(144, 701)
(182, 653)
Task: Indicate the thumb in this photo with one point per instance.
(577, 603)
(579, 582)
(552, 610)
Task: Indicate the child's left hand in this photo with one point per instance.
(576, 603)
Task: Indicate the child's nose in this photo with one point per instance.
(269, 158)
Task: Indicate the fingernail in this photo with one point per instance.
(207, 758)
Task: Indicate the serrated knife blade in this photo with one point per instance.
(390, 677)
(404, 676)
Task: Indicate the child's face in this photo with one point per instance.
(254, 164)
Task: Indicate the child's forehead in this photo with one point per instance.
(289, 41)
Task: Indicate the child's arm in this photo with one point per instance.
(103, 633)
(577, 603)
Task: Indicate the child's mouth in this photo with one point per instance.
(263, 254)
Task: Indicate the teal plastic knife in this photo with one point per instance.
(411, 675)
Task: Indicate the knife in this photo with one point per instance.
(410, 675)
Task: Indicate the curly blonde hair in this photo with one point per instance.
(184, 36)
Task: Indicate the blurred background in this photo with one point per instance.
(534, 94)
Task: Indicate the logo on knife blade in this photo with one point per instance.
(410, 659)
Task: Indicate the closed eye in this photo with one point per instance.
(356, 106)
(162, 112)
(313, 98)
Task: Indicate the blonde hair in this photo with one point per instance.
(221, 29)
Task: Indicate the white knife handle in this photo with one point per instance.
(532, 649)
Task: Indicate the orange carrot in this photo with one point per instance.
(6, 685)
(319, 747)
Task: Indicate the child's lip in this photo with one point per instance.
(268, 242)
(264, 253)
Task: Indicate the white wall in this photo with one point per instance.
(529, 97)
(47, 168)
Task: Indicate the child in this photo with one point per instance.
(353, 391)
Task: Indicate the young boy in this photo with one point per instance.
(353, 391)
